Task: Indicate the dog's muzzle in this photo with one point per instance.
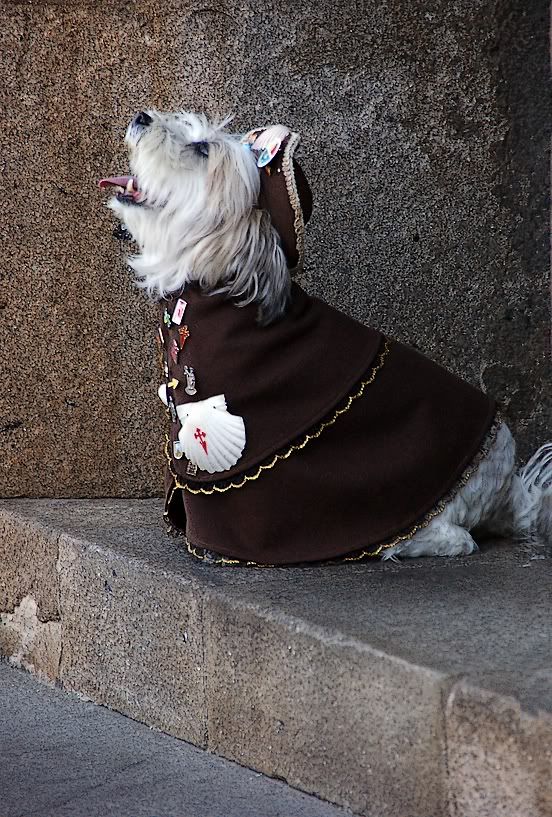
(126, 188)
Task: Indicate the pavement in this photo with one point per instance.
(63, 757)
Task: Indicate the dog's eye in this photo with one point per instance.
(202, 148)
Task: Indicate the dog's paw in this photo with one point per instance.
(438, 539)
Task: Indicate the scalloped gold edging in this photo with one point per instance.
(294, 200)
(221, 560)
(295, 447)
(371, 553)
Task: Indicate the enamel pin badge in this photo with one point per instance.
(174, 350)
(183, 334)
(179, 310)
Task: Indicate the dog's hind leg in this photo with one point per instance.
(484, 498)
(439, 538)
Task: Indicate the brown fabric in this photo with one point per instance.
(379, 469)
(274, 198)
(281, 378)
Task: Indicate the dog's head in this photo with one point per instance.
(191, 205)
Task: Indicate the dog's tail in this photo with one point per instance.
(531, 497)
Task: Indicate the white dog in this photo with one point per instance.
(191, 206)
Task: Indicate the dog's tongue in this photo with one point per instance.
(127, 184)
(119, 181)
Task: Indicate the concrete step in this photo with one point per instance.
(62, 757)
(414, 690)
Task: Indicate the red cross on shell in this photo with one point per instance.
(212, 438)
(201, 438)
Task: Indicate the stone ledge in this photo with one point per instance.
(387, 689)
(499, 753)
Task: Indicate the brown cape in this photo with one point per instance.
(352, 441)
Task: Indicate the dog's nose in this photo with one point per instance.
(143, 119)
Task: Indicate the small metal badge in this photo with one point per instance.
(172, 409)
(183, 334)
(172, 384)
(178, 451)
(174, 350)
(191, 470)
(190, 381)
(178, 313)
(166, 318)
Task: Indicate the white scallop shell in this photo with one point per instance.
(273, 133)
(162, 392)
(212, 438)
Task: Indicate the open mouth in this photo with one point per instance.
(124, 187)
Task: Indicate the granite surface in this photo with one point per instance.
(425, 142)
(419, 689)
(499, 756)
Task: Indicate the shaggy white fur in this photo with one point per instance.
(196, 218)
(191, 206)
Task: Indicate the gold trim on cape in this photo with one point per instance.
(293, 193)
(364, 553)
(294, 447)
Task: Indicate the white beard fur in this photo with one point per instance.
(199, 223)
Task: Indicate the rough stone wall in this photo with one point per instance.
(425, 141)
